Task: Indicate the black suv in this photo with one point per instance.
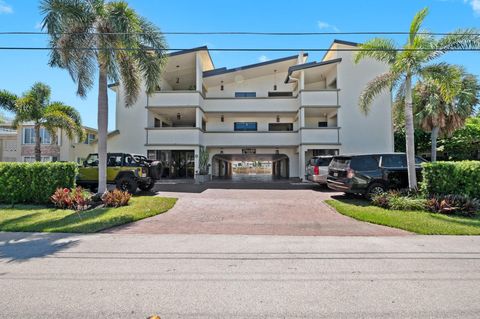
(371, 173)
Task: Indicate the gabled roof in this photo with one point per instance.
(220, 71)
(337, 41)
(309, 65)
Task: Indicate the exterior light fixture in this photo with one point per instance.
(277, 152)
(179, 116)
(222, 118)
(178, 75)
(221, 87)
(278, 118)
(274, 80)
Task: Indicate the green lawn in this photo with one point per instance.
(420, 222)
(41, 219)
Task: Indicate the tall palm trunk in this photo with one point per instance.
(102, 128)
(409, 132)
(38, 143)
(434, 137)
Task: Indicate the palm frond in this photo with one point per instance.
(379, 49)
(446, 77)
(385, 81)
(64, 117)
(8, 100)
(416, 25)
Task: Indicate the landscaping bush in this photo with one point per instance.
(447, 178)
(116, 198)
(78, 198)
(34, 183)
(453, 204)
(399, 200)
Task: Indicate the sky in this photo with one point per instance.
(20, 69)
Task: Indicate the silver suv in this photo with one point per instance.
(317, 168)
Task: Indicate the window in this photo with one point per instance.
(320, 152)
(323, 124)
(364, 163)
(114, 160)
(245, 126)
(92, 160)
(394, 161)
(29, 136)
(274, 94)
(90, 138)
(157, 123)
(130, 161)
(245, 94)
(276, 127)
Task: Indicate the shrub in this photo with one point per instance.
(453, 204)
(447, 178)
(116, 198)
(78, 198)
(399, 200)
(34, 182)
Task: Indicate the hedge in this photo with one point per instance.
(34, 183)
(456, 178)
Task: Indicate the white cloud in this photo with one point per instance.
(5, 8)
(325, 25)
(263, 58)
(475, 4)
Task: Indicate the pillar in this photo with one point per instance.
(302, 166)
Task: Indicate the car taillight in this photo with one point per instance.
(350, 173)
(316, 170)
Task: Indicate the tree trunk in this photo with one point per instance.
(38, 143)
(434, 137)
(102, 122)
(409, 134)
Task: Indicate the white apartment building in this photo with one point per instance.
(284, 110)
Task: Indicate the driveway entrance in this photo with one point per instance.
(285, 209)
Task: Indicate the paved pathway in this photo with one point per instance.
(291, 209)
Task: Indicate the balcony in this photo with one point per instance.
(174, 99)
(287, 104)
(321, 98)
(253, 139)
(174, 136)
(324, 135)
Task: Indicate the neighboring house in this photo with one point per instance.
(284, 111)
(18, 145)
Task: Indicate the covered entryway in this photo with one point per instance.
(250, 167)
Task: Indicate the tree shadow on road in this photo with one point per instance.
(19, 247)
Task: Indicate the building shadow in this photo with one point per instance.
(20, 247)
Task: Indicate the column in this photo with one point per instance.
(198, 73)
(301, 157)
(198, 117)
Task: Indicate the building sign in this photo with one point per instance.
(249, 151)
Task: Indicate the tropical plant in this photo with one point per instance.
(203, 161)
(108, 36)
(35, 106)
(464, 144)
(405, 66)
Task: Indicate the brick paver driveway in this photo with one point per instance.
(296, 211)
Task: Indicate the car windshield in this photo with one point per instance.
(340, 162)
(323, 161)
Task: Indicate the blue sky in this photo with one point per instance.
(20, 69)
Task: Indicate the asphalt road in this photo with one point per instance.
(226, 276)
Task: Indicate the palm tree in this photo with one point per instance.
(35, 106)
(108, 37)
(405, 66)
(441, 111)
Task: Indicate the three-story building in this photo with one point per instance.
(284, 111)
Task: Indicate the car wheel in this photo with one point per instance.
(127, 184)
(147, 187)
(375, 189)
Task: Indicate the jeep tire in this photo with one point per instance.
(147, 187)
(127, 183)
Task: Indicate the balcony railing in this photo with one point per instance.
(324, 135)
(287, 104)
(319, 98)
(174, 99)
(174, 136)
(222, 139)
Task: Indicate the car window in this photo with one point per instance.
(394, 161)
(324, 161)
(364, 163)
(92, 160)
(130, 161)
(419, 160)
(340, 162)
(114, 160)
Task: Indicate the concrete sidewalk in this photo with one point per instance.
(220, 276)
